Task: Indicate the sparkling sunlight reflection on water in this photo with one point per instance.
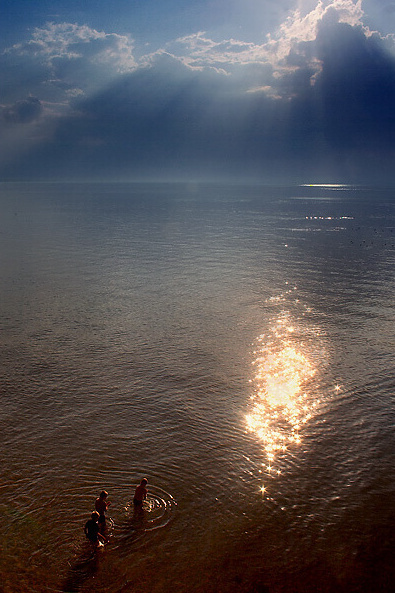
(284, 399)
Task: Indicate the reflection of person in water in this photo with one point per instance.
(140, 493)
(92, 528)
(101, 506)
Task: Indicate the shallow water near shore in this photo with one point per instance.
(233, 344)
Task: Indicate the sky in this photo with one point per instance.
(275, 91)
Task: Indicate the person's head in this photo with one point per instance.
(103, 494)
(95, 516)
(144, 482)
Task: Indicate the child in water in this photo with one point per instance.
(140, 493)
(92, 532)
(101, 506)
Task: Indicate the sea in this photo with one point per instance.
(232, 343)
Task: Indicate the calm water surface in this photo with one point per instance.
(233, 344)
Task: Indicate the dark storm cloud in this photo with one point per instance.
(356, 88)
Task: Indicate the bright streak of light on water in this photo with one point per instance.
(282, 402)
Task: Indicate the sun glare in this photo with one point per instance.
(281, 407)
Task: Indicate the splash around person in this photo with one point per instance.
(140, 493)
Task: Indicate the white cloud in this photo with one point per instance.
(198, 51)
(72, 41)
(81, 60)
(59, 64)
(66, 61)
(181, 110)
(300, 27)
(63, 61)
(285, 51)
